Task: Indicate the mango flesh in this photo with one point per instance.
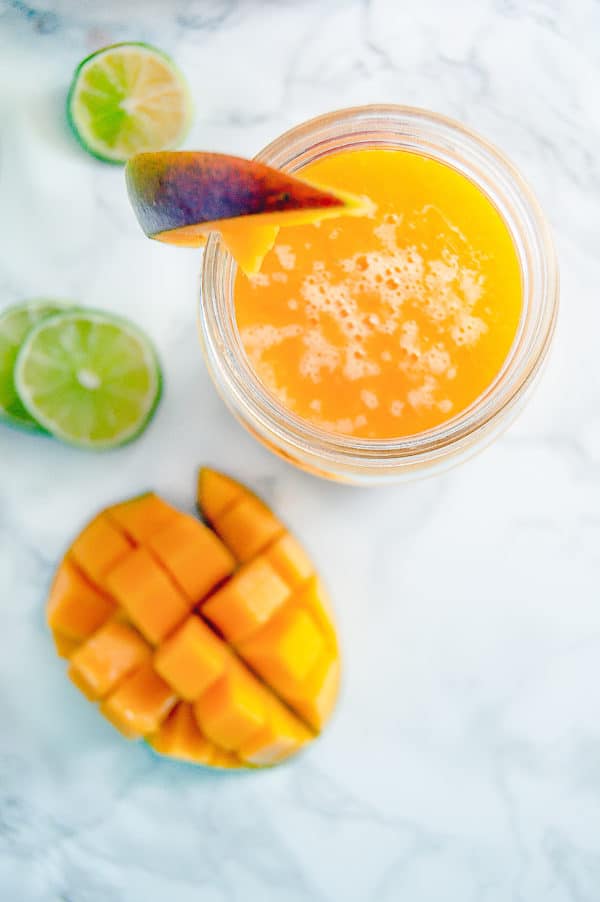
(179, 197)
(213, 642)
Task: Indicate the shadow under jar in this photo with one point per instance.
(369, 461)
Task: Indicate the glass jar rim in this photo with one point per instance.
(448, 141)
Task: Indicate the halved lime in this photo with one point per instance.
(15, 323)
(128, 98)
(89, 378)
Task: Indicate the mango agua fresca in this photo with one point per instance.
(389, 324)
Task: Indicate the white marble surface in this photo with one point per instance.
(464, 762)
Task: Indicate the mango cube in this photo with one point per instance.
(232, 710)
(180, 737)
(247, 527)
(281, 736)
(141, 517)
(290, 560)
(191, 659)
(63, 645)
(285, 650)
(216, 492)
(194, 556)
(247, 600)
(98, 548)
(75, 608)
(114, 651)
(140, 704)
(147, 594)
(316, 700)
(222, 760)
(312, 597)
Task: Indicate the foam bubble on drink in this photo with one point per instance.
(357, 365)
(423, 395)
(324, 298)
(467, 329)
(436, 359)
(440, 299)
(386, 232)
(391, 291)
(369, 399)
(258, 339)
(393, 275)
(285, 255)
(471, 285)
(451, 291)
(258, 279)
(410, 340)
(266, 373)
(320, 355)
(343, 425)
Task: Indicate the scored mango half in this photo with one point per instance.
(179, 197)
(213, 641)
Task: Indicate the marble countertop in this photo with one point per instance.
(464, 762)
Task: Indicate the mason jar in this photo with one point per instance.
(374, 461)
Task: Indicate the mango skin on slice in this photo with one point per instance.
(212, 641)
(179, 197)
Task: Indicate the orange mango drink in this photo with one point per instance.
(390, 324)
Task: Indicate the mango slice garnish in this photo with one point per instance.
(213, 641)
(180, 197)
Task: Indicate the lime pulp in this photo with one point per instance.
(89, 378)
(15, 323)
(128, 98)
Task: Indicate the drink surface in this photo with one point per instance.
(386, 325)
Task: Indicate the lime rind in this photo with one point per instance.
(60, 392)
(16, 322)
(81, 130)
